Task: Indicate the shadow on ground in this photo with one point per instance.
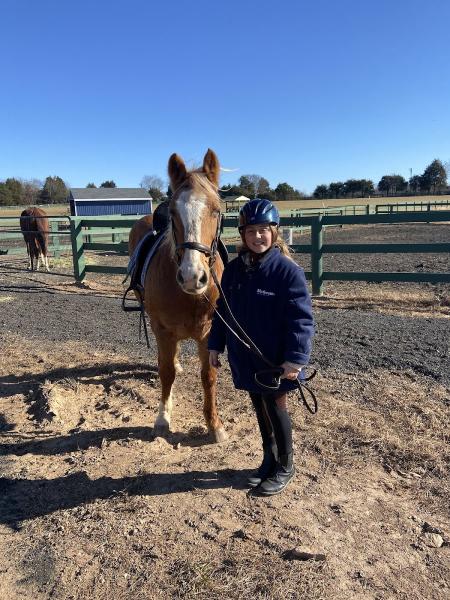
(105, 374)
(23, 499)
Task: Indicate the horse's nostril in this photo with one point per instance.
(180, 277)
(204, 278)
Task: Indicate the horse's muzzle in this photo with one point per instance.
(194, 285)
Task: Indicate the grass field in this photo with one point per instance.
(63, 209)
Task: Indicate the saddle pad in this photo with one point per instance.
(151, 253)
(141, 257)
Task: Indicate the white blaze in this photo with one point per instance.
(191, 216)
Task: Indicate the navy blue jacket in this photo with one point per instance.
(272, 304)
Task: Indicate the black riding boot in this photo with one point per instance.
(269, 462)
(279, 480)
(267, 467)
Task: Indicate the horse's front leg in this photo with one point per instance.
(209, 381)
(167, 352)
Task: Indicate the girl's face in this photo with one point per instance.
(258, 238)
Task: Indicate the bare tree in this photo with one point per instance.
(256, 183)
(153, 182)
(31, 191)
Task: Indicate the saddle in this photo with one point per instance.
(140, 261)
(138, 266)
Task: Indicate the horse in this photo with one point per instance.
(35, 227)
(179, 293)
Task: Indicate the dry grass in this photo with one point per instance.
(54, 210)
(411, 300)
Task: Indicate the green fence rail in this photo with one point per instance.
(83, 230)
(317, 249)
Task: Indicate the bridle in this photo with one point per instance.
(209, 251)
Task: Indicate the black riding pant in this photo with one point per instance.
(273, 421)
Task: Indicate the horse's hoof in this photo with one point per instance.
(219, 435)
(161, 430)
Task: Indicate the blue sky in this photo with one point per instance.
(298, 91)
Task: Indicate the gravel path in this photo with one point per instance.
(49, 308)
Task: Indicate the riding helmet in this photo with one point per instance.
(257, 212)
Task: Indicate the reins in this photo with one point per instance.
(274, 371)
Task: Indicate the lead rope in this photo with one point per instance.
(274, 370)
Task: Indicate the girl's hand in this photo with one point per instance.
(214, 359)
(290, 371)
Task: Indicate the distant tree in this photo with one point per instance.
(415, 183)
(11, 192)
(244, 184)
(108, 184)
(447, 169)
(321, 192)
(352, 187)
(284, 191)
(336, 189)
(31, 191)
(235, 190)
(268, 195)
(153, 181)
(156, 194)
(366, 187)
(384, 185)
(254, 185)
(91, 185)
(434, 177)
(54, 191)
(390, 184)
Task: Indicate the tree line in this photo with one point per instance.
(432, 180)
(55, 191)
(27, 192)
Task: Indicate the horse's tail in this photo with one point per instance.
(42, 234)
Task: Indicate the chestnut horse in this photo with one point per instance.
(178, 290)
(35, 228)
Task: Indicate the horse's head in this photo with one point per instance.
(195, 218)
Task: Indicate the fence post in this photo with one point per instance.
(54, 228)
(76, 237)
(287, 235)
(316, 256)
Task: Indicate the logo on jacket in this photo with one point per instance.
(261, 292)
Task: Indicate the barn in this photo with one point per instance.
(92, 202)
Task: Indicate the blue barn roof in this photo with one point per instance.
(109, 201)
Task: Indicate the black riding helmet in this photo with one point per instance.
(257, 212)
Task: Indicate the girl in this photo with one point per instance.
(268, 295)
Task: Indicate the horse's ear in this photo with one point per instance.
(177, 171)
(211, 167)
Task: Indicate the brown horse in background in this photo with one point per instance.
(179, 290)
(35, 227)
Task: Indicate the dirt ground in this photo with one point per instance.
(92, 506)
